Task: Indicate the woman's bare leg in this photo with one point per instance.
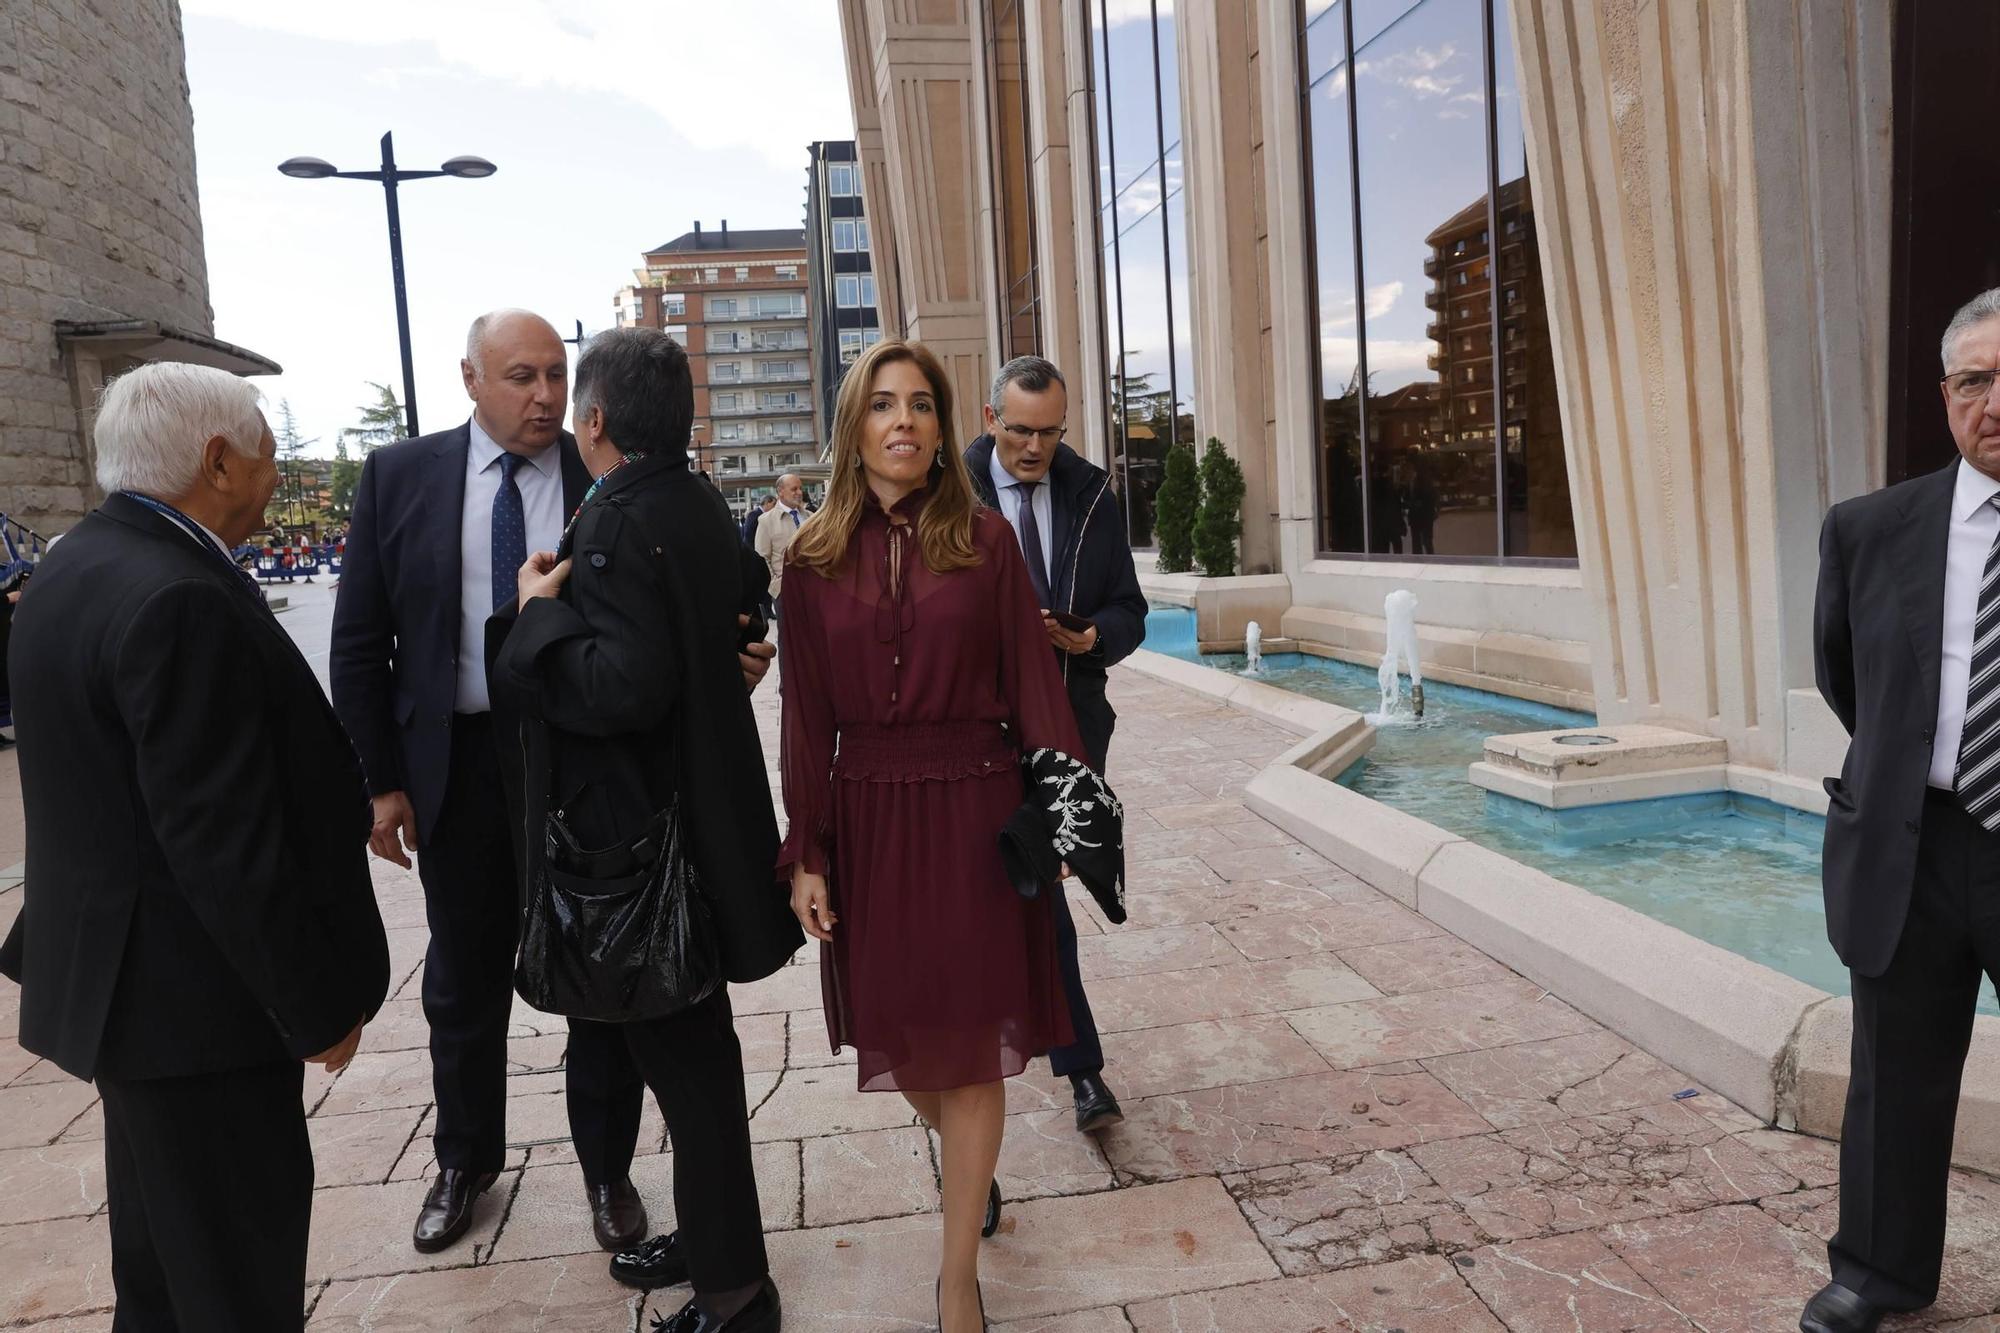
(924, 1104)
(971, 1123)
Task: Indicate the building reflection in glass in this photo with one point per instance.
(1452, 428)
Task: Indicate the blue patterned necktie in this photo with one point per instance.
(1030, 531)
(510, 533)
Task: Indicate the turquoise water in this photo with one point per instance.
(1736, 871)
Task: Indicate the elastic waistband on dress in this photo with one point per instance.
(923, 751)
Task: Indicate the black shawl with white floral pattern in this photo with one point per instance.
(1069, 816)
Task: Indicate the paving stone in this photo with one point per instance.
(33, 1114)
(1349, 1211)
(88, 1127)
(363, 1148)
(54, 1180)
(860, 1177)
(379, 1081)
(364, 1230)
(1435, 962)
(1208, 1055)
(399, 1025)
(809, 1103)
(1327, 929)
(1233, 990)
(1556, 1079)
(1433, 1023)
(1729, 1270)
(15, 1059)
(563, 1295)
(1575, 1175)
(1815, 1162)
(1109, 1319)
(1042, 1156)
(786, 989)
(763, 1040)
(808, 1046)
(54, 1268)
(1169, 874)
(1128, 952)
(1561, 1284)
(1202, 814)
(1248, 1126)
(1217, 902)
(1418, 1295)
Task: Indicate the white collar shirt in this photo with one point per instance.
(1008, 491)
(1974, 525)
(540, 484)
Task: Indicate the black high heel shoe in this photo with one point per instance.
(992, 1212)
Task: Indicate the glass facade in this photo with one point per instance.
(1142, 226)
(1017, 278)
(1438, 427)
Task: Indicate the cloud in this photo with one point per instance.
(1386, 356)
(787, 89)
(1133, 11)
(1419, 70)
(1381, 300)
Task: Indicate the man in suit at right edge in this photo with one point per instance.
(1907, 646)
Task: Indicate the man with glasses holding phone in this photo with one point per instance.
(1072, 530)
(1907, 653)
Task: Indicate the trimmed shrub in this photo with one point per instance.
(1220, 521)
(1174, 510)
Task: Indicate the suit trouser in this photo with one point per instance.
(1912, 1027)
(694, 1065)
(1085, 1055)
(473, 904)
(210, 1180)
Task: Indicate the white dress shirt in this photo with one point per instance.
(1004, 485)
(1974, 523)
(540, 483)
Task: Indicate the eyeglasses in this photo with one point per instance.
(1969, 386)
(1050, 434)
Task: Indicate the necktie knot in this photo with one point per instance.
(508, 462)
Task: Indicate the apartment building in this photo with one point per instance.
(737, 302)
(841, 270)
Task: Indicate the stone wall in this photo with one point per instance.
(98, 220)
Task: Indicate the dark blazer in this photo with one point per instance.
(1092, 577)
(393, 662)
(190, 908)
(1878, 637)
(628, 690)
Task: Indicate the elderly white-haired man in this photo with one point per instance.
(193, 932)
(1907, 639)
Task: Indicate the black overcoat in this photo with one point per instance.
(627, 689)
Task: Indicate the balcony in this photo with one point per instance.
(803, 409)
(779, 377)
(1436, 298)
(757, 348)
(713, 316)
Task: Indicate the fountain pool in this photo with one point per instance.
(1737, 871)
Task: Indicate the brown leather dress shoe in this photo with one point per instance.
(616, 1214)
(447, 1210)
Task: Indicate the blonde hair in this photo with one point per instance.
(944, 529)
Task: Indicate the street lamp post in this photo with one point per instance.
(468, 168)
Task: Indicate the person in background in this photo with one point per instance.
(194, 933)
(778, 527)
(757, 511)
(1071, 529)
(915, 675)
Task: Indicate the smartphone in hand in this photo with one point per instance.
(1072, 622)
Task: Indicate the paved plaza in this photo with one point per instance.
(1339, 1117)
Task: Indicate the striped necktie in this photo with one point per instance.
(1979, 743)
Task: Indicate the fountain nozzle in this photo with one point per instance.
(1417, 698)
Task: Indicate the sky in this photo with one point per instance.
(615, 124)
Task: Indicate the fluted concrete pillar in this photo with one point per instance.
(1712, 195)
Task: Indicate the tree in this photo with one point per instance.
(1221, 517)
(381, 423)
(1174, 510)
(287, 503)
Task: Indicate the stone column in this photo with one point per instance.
(1074, 254)
(1219, 134)
(857, 45)
(1059, 210)
(1712, 200)
(917, 61)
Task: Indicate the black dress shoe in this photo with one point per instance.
(992, 1222)
(658, 1262)
(616, 1215)
(1835, 1309)
(447, 1210)
(1096, 1108)
(763, 1314)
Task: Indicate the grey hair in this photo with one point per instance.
(153, 422)
(475, 337)
(1977, 311)
(1033, 373)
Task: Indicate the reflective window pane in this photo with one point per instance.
(1143, 379)
(1540, 519)
(1133, 146)
(1426, 299)
(1339, 462)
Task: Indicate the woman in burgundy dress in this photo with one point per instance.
(914, 669)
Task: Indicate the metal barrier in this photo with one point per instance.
(298, 560)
